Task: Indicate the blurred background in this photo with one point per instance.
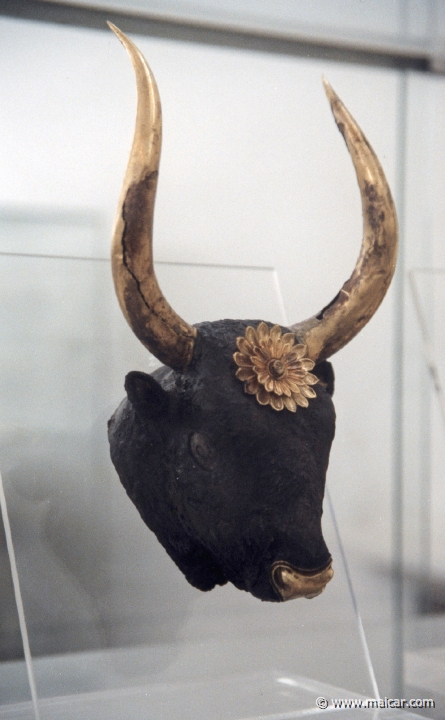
(257, 193)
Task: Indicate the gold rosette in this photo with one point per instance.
(274, 369)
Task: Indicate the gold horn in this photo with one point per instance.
(328, 331)
(146, 310)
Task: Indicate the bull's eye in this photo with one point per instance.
(202, 451)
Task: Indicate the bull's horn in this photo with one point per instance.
(146, 310)
(360, 296)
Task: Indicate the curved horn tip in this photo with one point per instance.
(152, 319)
(115, 29)
(126, 42)
(328, 331)
(330, 93)
(326, 84)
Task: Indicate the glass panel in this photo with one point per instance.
(425, 549)
(14, 681)
(114, 627)
(61, 233)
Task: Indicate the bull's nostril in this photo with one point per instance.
(292, 583)
(315, 594)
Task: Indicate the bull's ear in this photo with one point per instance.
(145, 394)
(325, 373)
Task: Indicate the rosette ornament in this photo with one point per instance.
(274, 368)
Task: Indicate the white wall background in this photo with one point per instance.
(425, 248)
(254, 172)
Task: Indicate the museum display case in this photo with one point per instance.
(258, 216)
(112, 625)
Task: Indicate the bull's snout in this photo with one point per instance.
(292, 583)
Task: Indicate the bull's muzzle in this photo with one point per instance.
(293, 583)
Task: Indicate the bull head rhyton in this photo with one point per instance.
(224, 450)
